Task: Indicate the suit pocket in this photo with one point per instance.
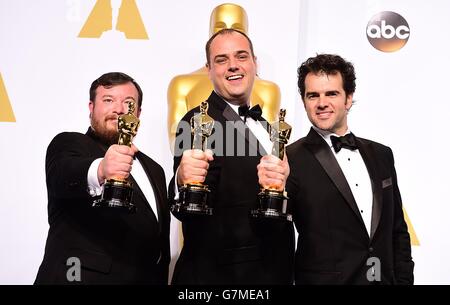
(386, 182)
(91, 260)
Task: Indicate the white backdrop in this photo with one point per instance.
(401, 102)
(47, 70)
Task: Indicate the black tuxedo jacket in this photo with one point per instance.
(333, 243)
(230, 247)
(112, 247)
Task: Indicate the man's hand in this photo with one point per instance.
(273, 173)
(194, 166)
(116, 163)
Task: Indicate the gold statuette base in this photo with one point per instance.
(272, 205)
(116, 194)
(193, 200)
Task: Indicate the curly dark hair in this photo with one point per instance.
(330, 65)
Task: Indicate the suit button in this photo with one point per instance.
(370, 250)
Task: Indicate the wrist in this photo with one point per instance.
(100, 175)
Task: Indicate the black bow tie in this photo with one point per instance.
(348, 141)
(254, 112)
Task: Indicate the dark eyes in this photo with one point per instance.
(221, 60)
(242, 56)
(329, 93)
(311, 96)
(109, 101)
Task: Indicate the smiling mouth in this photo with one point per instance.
(113, 119)
(235, 77)
(324, 114)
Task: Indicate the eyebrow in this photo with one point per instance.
(309, 93)
(237, 53)
(242, 51)
(220, 55)
(110, 96)
(331, 92)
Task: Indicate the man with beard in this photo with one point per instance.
(87, 245)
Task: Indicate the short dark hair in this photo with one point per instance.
(113, 79)
(330, 65)
(225, 32)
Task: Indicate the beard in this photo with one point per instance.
(107, 135)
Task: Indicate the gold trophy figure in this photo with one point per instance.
(187, 90)
(118, 192)
(272, 201)
(193, 196)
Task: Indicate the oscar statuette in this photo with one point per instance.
(117, 192)
(272, 201)
(193, 196)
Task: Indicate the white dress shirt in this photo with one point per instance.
(355, 171)
(257, 129)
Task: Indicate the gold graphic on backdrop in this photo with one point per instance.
(412, 232)
(6, 111)
(114, 17)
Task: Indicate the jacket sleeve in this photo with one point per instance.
(66, 167)
(403, 263)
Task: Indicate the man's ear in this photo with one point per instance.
(349, 101)
(91, 108)
(208, 67)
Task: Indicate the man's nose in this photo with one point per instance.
(120, 108)
(323, 102)
(233, 65)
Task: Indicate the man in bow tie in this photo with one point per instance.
(343, 190)
(87, 245)
(229, 247)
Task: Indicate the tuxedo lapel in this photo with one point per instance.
(323, 154)
(267, 127)
(230, 115)
(156, 191)
(369, 158)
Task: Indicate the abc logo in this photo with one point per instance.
(387, 31)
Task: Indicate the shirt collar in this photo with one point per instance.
(326, 135)
(233, 106)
